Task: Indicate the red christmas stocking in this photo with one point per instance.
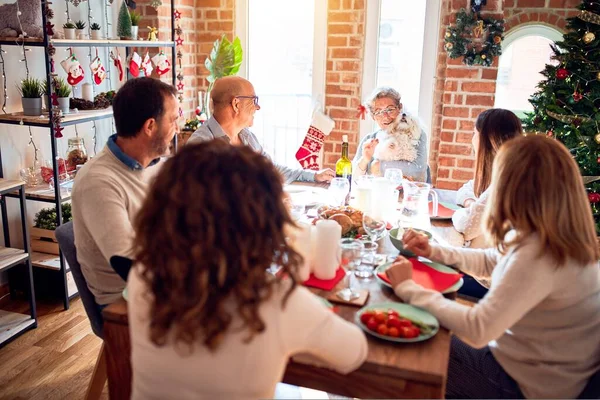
(98, 70)
(118, 63)
(135, 61)
(308, 154)
(163, 65)
(73, 69)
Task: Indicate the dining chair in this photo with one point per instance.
(66, 241)
(592, 389)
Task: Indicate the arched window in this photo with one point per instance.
(525, 52)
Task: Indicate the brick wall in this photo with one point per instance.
(462, 92)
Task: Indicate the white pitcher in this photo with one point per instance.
(415, 204)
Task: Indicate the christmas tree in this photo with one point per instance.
(567, 103)
(124, 22)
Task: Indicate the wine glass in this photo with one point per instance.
(395, 176)
(338, 190)
(351, 256)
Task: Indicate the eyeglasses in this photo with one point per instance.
(386, 111)
(254, 98)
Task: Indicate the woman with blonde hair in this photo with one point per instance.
(206, 319)
(492, 128)
(535, 334)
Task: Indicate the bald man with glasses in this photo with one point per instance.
(234, 104)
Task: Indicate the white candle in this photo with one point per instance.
(86, 92)
(326, 254)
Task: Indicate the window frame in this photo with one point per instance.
(428, 69)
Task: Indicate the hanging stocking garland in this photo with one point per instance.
(98, 70)
(118, 63)
(162, 63)
(73, 69)
(179, 44)
(308, 154)
(134, 64)
(147, 65)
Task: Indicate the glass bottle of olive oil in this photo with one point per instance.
(343, 166)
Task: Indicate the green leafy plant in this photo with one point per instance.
(62, 88)
(135, 18)
(95, 26)
(80, 24)
(69, 25)
(225, 59)
(30, 88)
(46, 217)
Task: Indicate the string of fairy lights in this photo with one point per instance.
(90, 18)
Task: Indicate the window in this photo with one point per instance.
(284, 58)
(401, 43)
(525, 52)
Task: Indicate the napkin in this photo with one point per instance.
(428, 277)
(328, 284)
(443, 211)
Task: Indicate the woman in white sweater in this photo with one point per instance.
(536, 333)
(206, 319)
(492, 128)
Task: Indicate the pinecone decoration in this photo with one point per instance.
(101, 101)
(49, 13)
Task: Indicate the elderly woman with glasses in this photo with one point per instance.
(398, 143)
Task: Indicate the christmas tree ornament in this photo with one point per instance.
(577, 96)
(308, 153)
(562, 73)
(152, 34)
(162, 63)
(134, 64)
(72, 67)
(549, 133)
(598, 76)
(589, 16)
(147, 65)
(156, 4)
(177, 14)
(124, 22)
(588, 37)
(118, 63)
(98, 70)
(597, 138)
(594, 197)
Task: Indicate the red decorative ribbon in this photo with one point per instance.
(362, 112)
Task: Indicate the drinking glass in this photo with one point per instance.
(395, 176)
(374, 225)
(368, 261)
(351, 254)
(338, 190)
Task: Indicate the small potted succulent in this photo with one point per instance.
(31, 90)
(80, 25)
(63, 91)
(96, 34)
(135, 21)
(69, 29)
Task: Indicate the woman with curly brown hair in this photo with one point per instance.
(204, 314)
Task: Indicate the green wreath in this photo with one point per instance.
(459, 38)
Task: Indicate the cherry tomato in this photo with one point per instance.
(393, 313)
(382, 329)
(405, 322)
(366, 316)
(393, 322)
(372, 324)
(393, 332)
(380, 317)
(409, 332)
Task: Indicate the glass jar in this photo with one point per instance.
(76, 153)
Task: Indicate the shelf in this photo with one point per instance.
(45, 193)
(74, 117)
(10, 257)
(11, 324)
(9, 184)
(13, 41)
(110, 43)
(48, 261)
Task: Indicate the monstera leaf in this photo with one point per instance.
(225, 59)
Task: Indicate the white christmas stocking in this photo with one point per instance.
(162, 63)
(98, 70)
(147, 65)
(308, 154)
(73, 69)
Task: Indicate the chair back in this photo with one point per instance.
(592, 389)
(66, 241)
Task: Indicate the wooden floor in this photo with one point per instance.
(54, 361)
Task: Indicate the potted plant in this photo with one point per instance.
(124, 23)
(31, 96)
(69, 29)
(225, 59)
(45, 95)
(135, 21)
(63, 91)
(80, 25)
(44, 224)
(96, 34)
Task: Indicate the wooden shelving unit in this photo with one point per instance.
(110, 43)
(74, 117)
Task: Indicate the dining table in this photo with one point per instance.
(391, 370)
